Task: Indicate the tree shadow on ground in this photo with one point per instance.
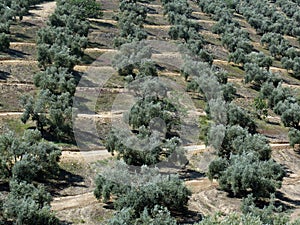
(93, 44)
(21, 36)
(189, 174)
(4, 75)
(50, 136)
(297, 149)
(27, 24)
(151, 10)
(102, 24)
(109, 205)
(64, 222)
(187, 217)
(255, 87)
(237, 95)
(273, 123)
(16, 53)
(286, 202)
(64, 180)
(87, 59)
(87, 139)
(81, 105)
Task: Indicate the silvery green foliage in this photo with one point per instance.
(275, 94)
(232, 219)
(146, 148)
(9, 10)
(56, 55)
(237, 39)
(71, 16)
(205, 77)
(4, 42)
(259, 75)
(269, 214)
(245, 173)
(216, 135)
(64, 37)
(229, 92)
(294, 137)
(183, 27)
(207, 80)
(27, 204)
(260, 59)
(131, 56)
(237, 140)
(56, 79)
(141, 189)
(51, 111)
(217, 109)
(119, 179)
(291, 117)
(148, 136)
(245, 219)
(157, 216)
(256, 143)
(60, 46)
(121, 172)
(88, 8)
(131, 18)
(276, 44)
(28, 157)
(238, 56)
(238, 116)
(230, 134)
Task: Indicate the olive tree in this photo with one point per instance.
(133, 57)
(52, 107)
(57, 55)
(157, 215)
(52, 113)
(245, 173)
(153, 119)
(62, 36)
(260, 59)
(141, 190)
(238, 116)
(294, 137)
(130, 21)
(28, 157)
(27, 204)
(238, 140)
(259, 75)
(274, 94)
(89, 8)
(251, 214)
(4, 42)
(289, 113)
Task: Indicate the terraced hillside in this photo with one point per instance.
(104, 103)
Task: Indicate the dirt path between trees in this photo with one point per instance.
(41, 11)
(71, 202)
(82, 200)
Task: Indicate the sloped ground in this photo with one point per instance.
(73, 199)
